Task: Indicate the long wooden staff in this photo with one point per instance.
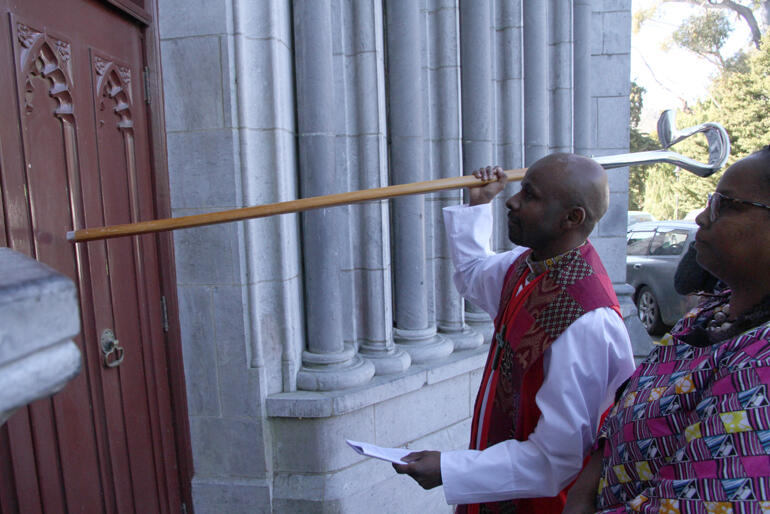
(271, 209)
(719, 151)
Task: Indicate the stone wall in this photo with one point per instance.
(302, 330)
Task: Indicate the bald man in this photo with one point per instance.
(560, 347)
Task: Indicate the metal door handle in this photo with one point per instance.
(112, 352)
(637, 266)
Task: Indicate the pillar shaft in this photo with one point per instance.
(414, 328)
(328, 363)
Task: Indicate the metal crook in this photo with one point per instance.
(718, 141)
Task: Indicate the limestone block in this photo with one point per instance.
(266, 64)
(414, 415)
(366, 98)
(318, 445)
(613, 124)
(202, 169)
(224, 447)
(266, 19)
(453, 437)
(612, 251)
(610, 76)
(185, 18)
(199, 350)
(207, 255)
(613, 224)
(444, 35)
(445, 103)
(617, 32)
(231, 495)
(278, 260)
(509, 15)
(509, 65)
(370, 485)
(616, 5)
(618, 178)
(192, 83)
(365, 23)
(475, 384)
(597, 37)
(271, 172)
(236, 375)
(38, 319)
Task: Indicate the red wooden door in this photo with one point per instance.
(75, 152)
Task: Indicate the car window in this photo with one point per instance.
(668, 241)
(638, 241)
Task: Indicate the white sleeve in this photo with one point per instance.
(479, 272)
(582, 370)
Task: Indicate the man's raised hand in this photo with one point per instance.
(484, 194)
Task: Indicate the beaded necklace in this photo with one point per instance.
(713, 325)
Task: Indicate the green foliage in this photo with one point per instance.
(638, 142)
(740, 101)
(705, 35)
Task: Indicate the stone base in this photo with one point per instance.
(398, 412)
(464, 339)
(386, 362)
(232, 495)
(481, 323)
(424, 345)
(333, 371)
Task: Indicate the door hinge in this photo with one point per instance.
(164, 313)
(147, 84)
(184, 508)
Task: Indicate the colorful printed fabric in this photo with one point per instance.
(691, 432)
(575, 284)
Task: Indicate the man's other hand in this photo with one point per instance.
(424, 467)
(485, 193)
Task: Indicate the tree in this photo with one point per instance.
(740, 101)
(705, 35)
(754, 13)
(638, 142)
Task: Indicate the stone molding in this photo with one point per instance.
(39, 316)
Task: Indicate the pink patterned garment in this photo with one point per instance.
(691, 432)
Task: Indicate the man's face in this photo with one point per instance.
(536, 212)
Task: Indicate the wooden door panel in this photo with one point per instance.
(45, 110)
(77, 154)
(114, 126)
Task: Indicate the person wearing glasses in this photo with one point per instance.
(690, 430)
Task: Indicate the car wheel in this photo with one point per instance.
(649, 311)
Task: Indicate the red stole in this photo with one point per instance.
(527, 324)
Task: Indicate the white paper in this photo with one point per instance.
(378, 452)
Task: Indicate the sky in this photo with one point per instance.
(673, 76)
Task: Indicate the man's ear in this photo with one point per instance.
(576, 216)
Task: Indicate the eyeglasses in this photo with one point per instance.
(714, 204)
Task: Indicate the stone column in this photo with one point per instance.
(444, 76)
(366, 144)
(582, 77)
(414, 330)
(561, 85)
(536, 113)
(476, 87)
(327, 363)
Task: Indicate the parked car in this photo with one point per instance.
(639, 216)
(653, 251)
